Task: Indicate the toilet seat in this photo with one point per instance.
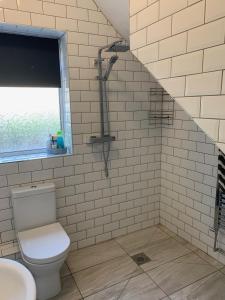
(45, 244)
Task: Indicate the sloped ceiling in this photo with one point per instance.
(117, 12)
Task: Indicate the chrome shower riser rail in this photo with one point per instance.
(105, 138)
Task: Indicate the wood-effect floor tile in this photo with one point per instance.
(209, 259)
(211, 287)
(111, 293)
(135, 242)
(180, 273)
(142, 288)
(223, 270)
(65, 270)
(69, 290)
(87, 257)
(163, 251)
(102, 276)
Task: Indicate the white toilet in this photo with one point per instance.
(43, 242)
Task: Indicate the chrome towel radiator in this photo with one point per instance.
(219, 218)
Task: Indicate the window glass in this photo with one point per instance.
(27, 117)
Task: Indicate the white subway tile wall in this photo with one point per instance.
(175, 166)
(191, 35)
(187, 59)
(188, 182)
(90, 207)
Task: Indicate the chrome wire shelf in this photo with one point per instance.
(161, 107)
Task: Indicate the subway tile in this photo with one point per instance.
(12, 4)
(133, 24)
(53, 9)
(187, 64)
(87, 27)
(42, 20)
(65, 2)
(17, 17)
(214, 58)
(89, 4)
(9, 168)
(42, 175)
(221, 131)
(203, 84)
(160, 69)
(223, 84)
(1, 15)
(30, 5)
(208, 35)
(213, 107)
(188, 18)
(167, 49)
(32, 165)
(169, 8)
(97, 17)
(215, 9)
(136, 6)
(148, 16)
(159, 30)
(107, 30)
(66, 24)
(190, 2)
(19, 178)
(174, 86)
(210, 126)
(191, 105)
(77, 13)
(138, 39)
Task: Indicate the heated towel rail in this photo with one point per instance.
(219, 217)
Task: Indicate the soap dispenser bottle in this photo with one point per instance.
(60, 140)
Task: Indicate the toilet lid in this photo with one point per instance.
(44, 244)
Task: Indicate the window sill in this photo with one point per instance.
(25, 157)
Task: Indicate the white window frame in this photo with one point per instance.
(64, 99)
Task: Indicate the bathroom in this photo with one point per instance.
(158, 197)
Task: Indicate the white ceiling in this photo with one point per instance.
(117, 12)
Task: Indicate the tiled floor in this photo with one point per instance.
(177, 270)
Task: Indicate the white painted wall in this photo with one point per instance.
(117, 12)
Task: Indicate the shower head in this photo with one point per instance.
(111, 62)
(113, 59)
(119, 46)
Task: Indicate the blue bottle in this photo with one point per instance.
(60, 140)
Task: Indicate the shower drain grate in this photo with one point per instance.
(140, 258)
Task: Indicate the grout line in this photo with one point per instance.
(181, 32)
(156, 284)
(124, 288)
(108, 260)
(77, 287)
(185, 53)
(114, 284)
(218, 268)
(211, 273)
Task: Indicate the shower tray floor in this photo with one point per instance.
(176, 270)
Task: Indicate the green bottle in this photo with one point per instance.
(60, 140)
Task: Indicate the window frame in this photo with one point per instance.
(64, 98)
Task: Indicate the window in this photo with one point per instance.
(27, 117)
(33, 98)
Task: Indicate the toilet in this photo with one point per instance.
(43, 242)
